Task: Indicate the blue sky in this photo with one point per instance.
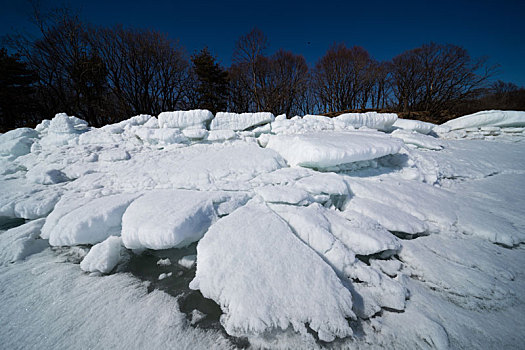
(385, 28)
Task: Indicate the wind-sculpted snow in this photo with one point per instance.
(292, 288)
(322, 150)
(295, 232)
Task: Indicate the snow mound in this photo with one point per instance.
(238, 122)
(414, 125)
(328, 149)
(372, 120)
(160, 136)
(304, 291)
(184, 119)
(86, 221)
(19, 242)
(488, 118)
(103, 257)
(172, 218)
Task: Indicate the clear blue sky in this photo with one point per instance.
(385, 28)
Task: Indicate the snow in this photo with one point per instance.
(420, 245)
(103, 257)
(414, 125)
(238, 122)
(316, 295)
(328, 149)
(88, 223)
(170, 218)
(488, 118)
(18, 243)
(372, 120)
(184, 119)
(188, 261)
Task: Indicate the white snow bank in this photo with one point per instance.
(488, 118)
(293, 287)
(414, 125)
(327, 149)
(103, 257)
(19, 242)
(372, 120)
(171, 218)
(184, 119)
(86, 221)
(238, 122)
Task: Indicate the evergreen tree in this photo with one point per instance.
(211, 82)
(17, 106)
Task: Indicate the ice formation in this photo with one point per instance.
(364, 229)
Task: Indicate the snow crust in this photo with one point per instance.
(414, 125)
(184, 119)
(372, 120)
(488, 118)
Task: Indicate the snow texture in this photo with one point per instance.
(488, 118)
(103, 257)
(238, 122)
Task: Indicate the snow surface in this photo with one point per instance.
(305, 229)
(242, 121)
(414, 125)
(322, 150)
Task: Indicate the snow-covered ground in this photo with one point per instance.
(198, 231)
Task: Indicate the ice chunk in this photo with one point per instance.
(238, 122)
(89, 223)
(488, 118)
(103, 257)
(19, 242)
(114, 155)
(414, 125)
(392, 218)
(164, 275)
(372, 120)
(188, 261)
(160, 136)
(221, 135)
(304, 291)
(169, 218)
(419, 140)
(327, 149)
(184, 119)
(195, 134)
(164, 262)
(284, 194)
(16, 143)
(46, 176)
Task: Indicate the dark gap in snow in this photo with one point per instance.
(404, 235)
(7, 223)
(384, 255)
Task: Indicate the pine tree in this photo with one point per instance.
(17, 106)
(211, 82)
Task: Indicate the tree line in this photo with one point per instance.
(104, 75)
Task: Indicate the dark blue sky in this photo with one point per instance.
(385, 28)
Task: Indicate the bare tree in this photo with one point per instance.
(342, 78)
(248, 51)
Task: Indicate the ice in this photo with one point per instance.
(88, 223)
(305, 290)
(114, 155)
(46, 177)
(160, 136)
(221, 135)
(164, 275)
(170, 218)
(195, 134)
(322, 150)
(284, 194)
(238, 122)
(391, 218)
(188, 261)
(488, 118)
(419, 140)
(16, 143)
(103, 257)
(414, 125)
(19, 242)
(372, 120)
(184, 119)
(164, 262)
